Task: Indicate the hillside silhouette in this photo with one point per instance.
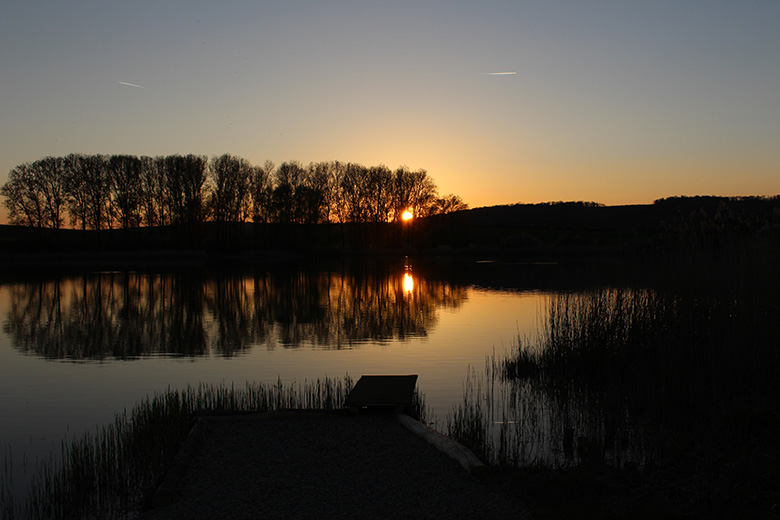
(588, 226)
(558, 228)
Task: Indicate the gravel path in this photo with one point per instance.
(326, 465)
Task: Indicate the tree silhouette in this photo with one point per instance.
(35, 193)
(76, 198)
(379, 191)
(231, 188)
(262, 192)
(52, 184)
(336, 209)
(99, 192)
(22, 198)
(124, 175)
(89, 192)
(353, 193)
(313, 200)
(289, 181)
(185, 180)
(448, 204)
(152, 191)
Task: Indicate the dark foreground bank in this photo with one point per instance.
(327, 465)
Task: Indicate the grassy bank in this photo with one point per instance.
(108, 473)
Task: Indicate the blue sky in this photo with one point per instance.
(612, 101)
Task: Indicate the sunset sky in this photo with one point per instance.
(611, 101)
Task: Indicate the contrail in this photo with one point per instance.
(500, 73)
(131, 84)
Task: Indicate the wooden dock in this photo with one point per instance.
(305, 464)
(369, 460)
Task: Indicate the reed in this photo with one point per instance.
(6, 494)
(107, 473)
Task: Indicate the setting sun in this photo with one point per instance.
(407, 215)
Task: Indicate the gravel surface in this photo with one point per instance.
(326, 465)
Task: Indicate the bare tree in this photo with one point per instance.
(311, 196)
(354, 187)
(51, 179)
(124, 176)
(231, 183)
(152, 201)
(414, 191)
(76, 196)
(89, 193)
(379, 190)
(195, 168)
(185, 179)
(424, 193)
(22, 197)
(448, 204)
(262, 190)
(35, 193)
(288, 178)
(173, 175)
(337, 208)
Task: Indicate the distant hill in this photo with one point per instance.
(569, 226)
(590, 215)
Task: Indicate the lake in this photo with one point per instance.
(76, 349)
(623, 364)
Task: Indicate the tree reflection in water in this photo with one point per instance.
(130, 315)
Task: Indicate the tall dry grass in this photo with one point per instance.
(634, 375)
(107, 473)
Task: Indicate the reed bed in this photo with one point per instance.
(498, 421)
(629, 377)
(517, 422)
(106, 474)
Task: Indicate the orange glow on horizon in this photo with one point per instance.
(407, 215)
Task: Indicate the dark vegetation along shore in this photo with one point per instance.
(110, 473)
(552, 230)
(281, 451)
(655, 400)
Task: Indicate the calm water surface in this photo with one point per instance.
(77, 349)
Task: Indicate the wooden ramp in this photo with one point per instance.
(308, 464)
(382, 393)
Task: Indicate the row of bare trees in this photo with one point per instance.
(126, 191)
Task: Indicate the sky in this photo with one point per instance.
(618, 102)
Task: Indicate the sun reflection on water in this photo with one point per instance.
(408, 283)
